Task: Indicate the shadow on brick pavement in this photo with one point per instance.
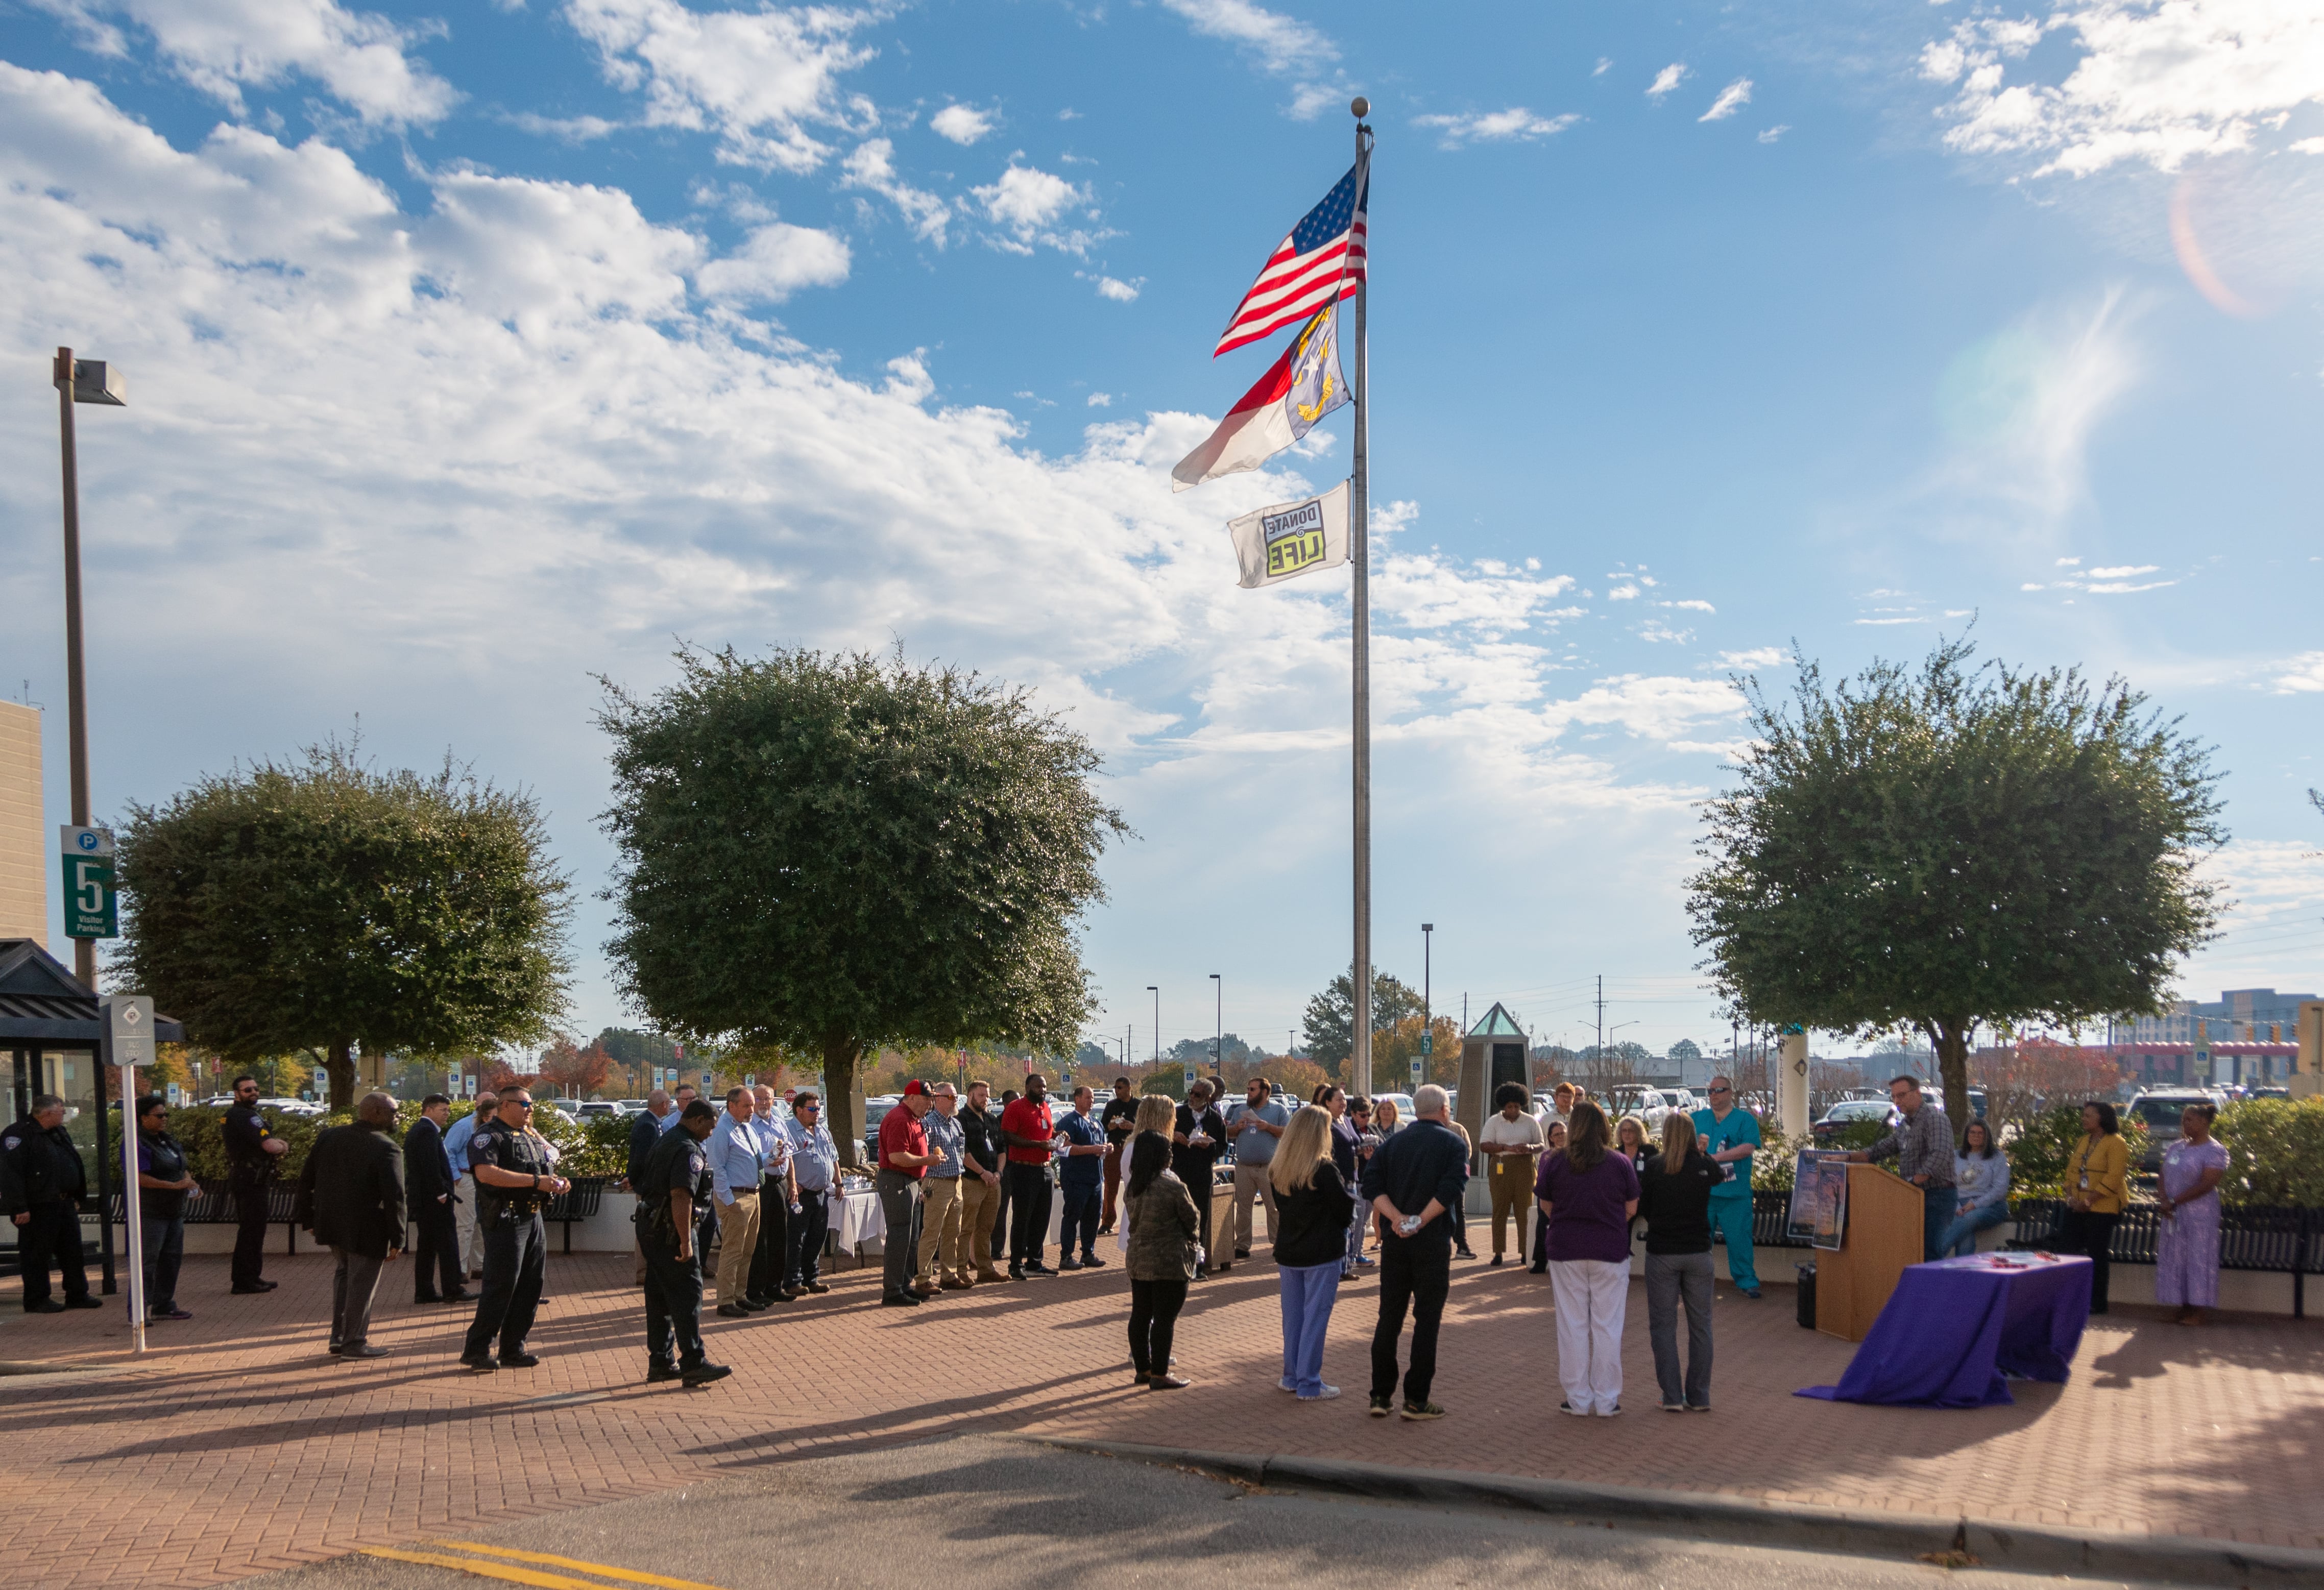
(237, 1445)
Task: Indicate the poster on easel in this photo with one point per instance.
(1819, 1210)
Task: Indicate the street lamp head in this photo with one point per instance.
(1428, 927)
(96, 382)
(1360, 107)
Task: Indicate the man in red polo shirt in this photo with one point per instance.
(1026, 1126)
(904, 1159)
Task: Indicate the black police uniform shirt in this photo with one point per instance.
(43, 1165)
(243, 1132)
(678, 1163)
(508, 1149)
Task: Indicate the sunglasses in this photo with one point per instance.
(516, 1104)
(809, 1108)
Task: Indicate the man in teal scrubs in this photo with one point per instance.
(1729, 1135)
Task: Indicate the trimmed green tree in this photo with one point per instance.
(1955, 846)
(324, 904)
(1328, 1029)
(837, 852)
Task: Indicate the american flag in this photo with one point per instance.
(1321, 260)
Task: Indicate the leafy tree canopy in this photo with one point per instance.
(1958, 845)
(1330, 1027)
(323, 904)
(835, 853)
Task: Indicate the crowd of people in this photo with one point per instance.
(965, 1185)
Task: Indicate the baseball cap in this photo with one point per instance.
(915, 1088)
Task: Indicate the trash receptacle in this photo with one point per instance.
(1807, 1296)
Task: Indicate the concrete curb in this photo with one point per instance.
(2034, 1549)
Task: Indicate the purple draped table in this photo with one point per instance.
(1954, 1328)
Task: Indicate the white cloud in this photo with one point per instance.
(777, 260)
(568, 129)
(1667, 79)
(2033, 586)
(1120, 292)
(1656, 707)
(1030, 202)
(1731, 98)
(1498, 126)
(2068, 562)
(1760, 657)
(2124, 572)
(758, 78)
(2021, 407)
(1282, 46)
(871, 165)
(1623, 592)
(1691, 606)
(1776, 131)
(1605, 64)
(1100, 400)
(2159, 81)
(2301, 675)
(963, 124)
(223, 46)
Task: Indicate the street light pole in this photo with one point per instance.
(1218, 1038)
(1156, 992)
(1428, 1009)
(76, 382)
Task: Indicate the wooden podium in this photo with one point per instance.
(1887, 1230)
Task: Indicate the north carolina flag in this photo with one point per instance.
(1302, 387)
(1320, 262)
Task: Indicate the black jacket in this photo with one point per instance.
(1311, 1224)
(427, 1168)
(1190, 1164)
(645, 1131)
(1677, 1207)
(1426, 1161)
(351, 1193)
(38, 1166)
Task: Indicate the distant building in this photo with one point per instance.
(27, 848)
(2238, 1015)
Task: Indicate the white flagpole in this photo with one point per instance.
(1359, 554)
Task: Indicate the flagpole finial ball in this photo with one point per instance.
(1360, 107)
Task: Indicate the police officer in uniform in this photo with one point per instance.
(514, 1182)
(252, 1153)
(40, 1187)
(674, 1191)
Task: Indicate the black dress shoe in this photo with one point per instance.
(518, 1360)
(458, 1297)
(83, 1302)
(428, 1298)
(701, 1374)
(733, 1311)
(45, 1306)
(899, 1300)
(245, 1292)
(364, 1350)
(655, 1374)
(479, 1365)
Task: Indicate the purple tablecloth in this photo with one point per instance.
(1953, 1327)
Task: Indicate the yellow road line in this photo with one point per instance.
(490, 1570)
(629, 1575)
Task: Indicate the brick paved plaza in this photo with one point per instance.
(239, 1446)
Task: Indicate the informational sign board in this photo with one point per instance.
(91, 910)
(1819, 1210)
(129, 1025)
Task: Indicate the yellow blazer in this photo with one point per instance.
(2106, 1160)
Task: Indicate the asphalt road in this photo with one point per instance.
(972, 1513)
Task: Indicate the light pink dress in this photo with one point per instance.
(2187, 1244)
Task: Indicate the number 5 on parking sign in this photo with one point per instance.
(91, 910)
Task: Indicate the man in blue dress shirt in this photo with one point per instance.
(815, 1171)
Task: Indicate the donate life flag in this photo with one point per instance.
(1288, 540)
(1302, 387)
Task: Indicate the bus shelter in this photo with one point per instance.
(52, 1041)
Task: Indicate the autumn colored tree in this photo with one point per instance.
(576, 1072)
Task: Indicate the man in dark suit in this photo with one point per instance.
(428, 1179)
(351, 1197)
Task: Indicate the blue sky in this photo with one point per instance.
(474, 351)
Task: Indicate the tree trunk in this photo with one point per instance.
(840, 1055)
(340, 1066)
(1951, 1041)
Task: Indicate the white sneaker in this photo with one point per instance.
(1324, 1395)
(1286, 1385)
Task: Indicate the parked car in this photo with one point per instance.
(590, 1109)
(875, 1111)
(1651, 1105)
(1850, 1111)
(2159, 1108)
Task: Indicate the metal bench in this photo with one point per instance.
(2270, 1240)
(214, 1206)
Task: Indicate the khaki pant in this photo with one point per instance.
(940, 1233)
(1249, 1179)
(471, 1251)
(978, 1206)
(1512, 1180)
(738, 1240)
